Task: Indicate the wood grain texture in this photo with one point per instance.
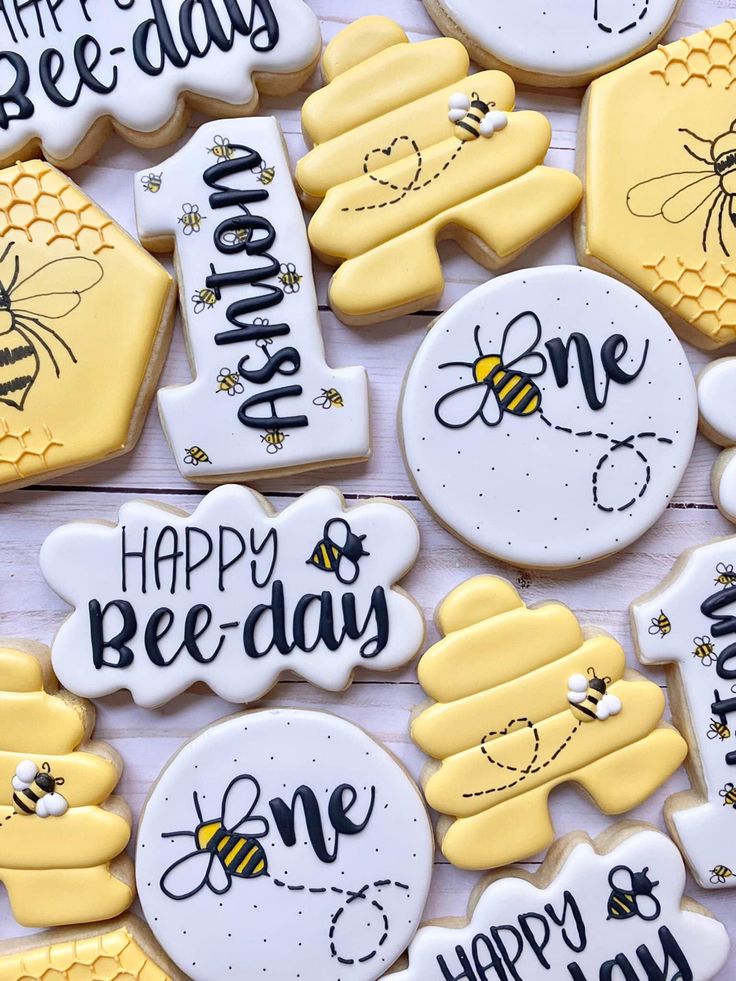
(600, 594)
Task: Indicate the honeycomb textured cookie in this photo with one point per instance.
(80, 300)
(61, 834)
(526, 701)
(409, 148)
(657, 149)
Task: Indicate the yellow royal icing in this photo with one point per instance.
(390, 173)
(55, 868)
(660, 175)
(83, 313)
(525, 701)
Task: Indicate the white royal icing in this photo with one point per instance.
(561, 37)
(232, 595)
(717, 399)
(689, 622)
(595, 459)
(263, 398)
(602, 916)
(65, 65)
(336, 888)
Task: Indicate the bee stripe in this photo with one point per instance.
(624, 907)
(231, 858)
(585, 710)
(27, 808)
(10, 355)
(253, 863)
(470, 129)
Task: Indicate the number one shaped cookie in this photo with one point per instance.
(60, 848)
(263, 400)
(688, 623)
(407, 149)
(525, 701)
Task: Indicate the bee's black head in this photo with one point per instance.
(641, 882)
(45, 781)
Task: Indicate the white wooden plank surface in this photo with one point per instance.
(599, 594)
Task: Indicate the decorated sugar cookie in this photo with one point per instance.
(716, 398)
(79, 300)
(408, 148)
(659, 137)
(233, 595)
(289, 834)
(74, 72)
(263, 400)
(686, 623)
(548, 417)
(61, 834)
(558, 44)
(527, 700)
(122, 949)
(593, 910)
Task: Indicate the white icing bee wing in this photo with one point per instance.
(464, 405)
(192, 872)
(458, 106)
(237, 805)
(609, 705)
(52, 805)
(520, 338)
(577, 687)
(26, 772)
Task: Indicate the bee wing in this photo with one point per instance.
(52, 805)
(237, 804)
(189, 874)
(26, 772)
(337, 531)
(609, 705)
(39, 294)
(622, 887)
(649, 906)
(673, 196)
(576, 697)
(464, 405)
(19, 784)
(520, 337)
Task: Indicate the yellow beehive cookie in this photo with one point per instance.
(658, 155)
(408, 149)
(60, 831)
(525, 701)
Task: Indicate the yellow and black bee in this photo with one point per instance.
(329, 399)
(152, 182)
(204, 299)
(265, 173)
(274, 440)
(222, 148)
(718, 729)
(704, 650)
(501, 382)
(725, 575)
(474, 117)
(34, 791)
(191, 218)
(289, 278)
(229, 382)
(632, 899)
(729, 795)
(589, 699)
(339, 551)
(195, 455)
(719, 874)
(660, 625)
(225, 848)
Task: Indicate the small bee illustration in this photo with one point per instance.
(473, 117)
(725, 575)
(222, 148)
(51, 292)
(719, 874)
(195, 455)
(678, 196)
(290, 278)
(204, 299)
(274, 440)
(660, 625)
(718, 729)
(589, 699)
(339, 551)
(329, 399)
(229, 381)
(729, 795)
(152, 182)
(225, 848)
(34, 791)
(266, 173)
(191, 219)
(627, 900)
(501, 382)
(704, 650)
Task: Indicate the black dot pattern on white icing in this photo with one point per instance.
(310, 917)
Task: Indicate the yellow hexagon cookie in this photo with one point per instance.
(84, 313)
(659, 163)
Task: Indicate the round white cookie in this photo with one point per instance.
(557, 43)
(549, 416)
(284, 844)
